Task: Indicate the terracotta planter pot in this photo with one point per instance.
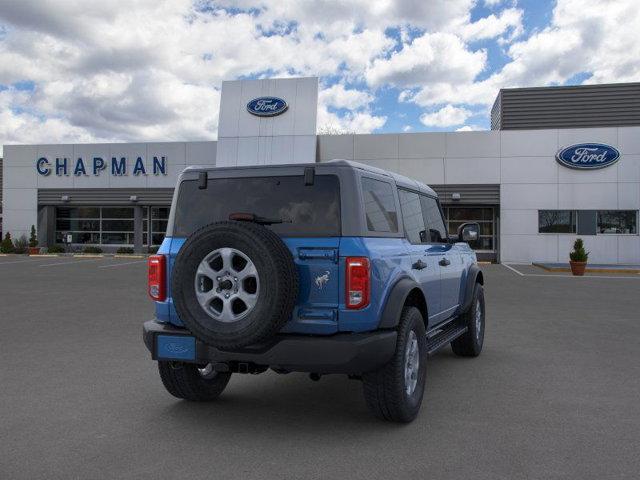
(578, 268)
(34, 250)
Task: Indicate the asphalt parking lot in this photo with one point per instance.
(553, 395)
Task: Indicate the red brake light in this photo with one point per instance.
(358, 282)
(156, 277)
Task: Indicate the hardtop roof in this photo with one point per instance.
(400, 180)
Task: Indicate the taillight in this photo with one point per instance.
(157, 277)
(358, 282)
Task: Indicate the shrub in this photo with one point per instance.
(20, 245)
(7, 244)
(92, 250)
(579, 254)
(56, 249)
(125, 250)
(33, 238)
(153, 249)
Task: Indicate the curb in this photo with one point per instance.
(588, 270)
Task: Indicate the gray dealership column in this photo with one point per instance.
(46, 228)
(137, 229)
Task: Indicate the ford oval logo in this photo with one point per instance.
(588, 156)
(177, 348)
(267, 106)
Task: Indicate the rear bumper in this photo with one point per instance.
(350, 353)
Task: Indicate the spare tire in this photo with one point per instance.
(234, 284)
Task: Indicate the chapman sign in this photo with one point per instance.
(96, 165)
(267, 106)
(588, 156)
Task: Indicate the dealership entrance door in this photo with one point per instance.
(486, 247)
(479, 203)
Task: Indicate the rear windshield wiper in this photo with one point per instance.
(252, 217)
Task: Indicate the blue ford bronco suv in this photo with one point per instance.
(323, 268)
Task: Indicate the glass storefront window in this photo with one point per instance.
(117, 212)
(556, 221)
(456, 216)
(159, 220)
(618, 221)
(117, 238)
(95, 225)
(78, 212)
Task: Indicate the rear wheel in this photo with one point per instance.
(470, 344)
(192, 382)
(395, 392)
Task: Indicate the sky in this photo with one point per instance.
(76, 71)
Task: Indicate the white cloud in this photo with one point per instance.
(338, 96)
(351, 122)
(407, 128)
(509, 20)
(151, 69)
(358, 118)
(469, 128)
(432, 57)
(447, 116)
(583, 37)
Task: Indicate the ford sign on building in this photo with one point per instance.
(559, 163)
(266, 106)
(588, 156)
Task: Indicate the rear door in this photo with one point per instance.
(444, 253)
(424, 265)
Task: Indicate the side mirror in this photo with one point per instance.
(469, 232)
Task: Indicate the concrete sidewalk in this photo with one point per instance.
(591, 267)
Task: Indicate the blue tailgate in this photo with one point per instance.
(317, 261)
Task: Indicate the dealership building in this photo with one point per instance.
(559, 162)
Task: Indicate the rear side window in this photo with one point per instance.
(306, 211)
(379, 206)
(433, 219)
(412, 216)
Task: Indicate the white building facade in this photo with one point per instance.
(530, 206)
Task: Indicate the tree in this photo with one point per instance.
(7, 244)
(332, 129)
(33, 238)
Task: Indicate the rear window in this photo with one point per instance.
(306, 211)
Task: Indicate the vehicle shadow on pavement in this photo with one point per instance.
(269, 404)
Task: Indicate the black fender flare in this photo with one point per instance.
(474, 275)
(396, 300)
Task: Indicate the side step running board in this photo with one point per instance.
(443, 338)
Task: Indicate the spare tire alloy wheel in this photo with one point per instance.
(227, 284)
(234, 284)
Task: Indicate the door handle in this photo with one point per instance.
(419, 265)
(444, 262)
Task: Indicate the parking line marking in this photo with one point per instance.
(513, 270)
(70, 263)
(121, 264)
